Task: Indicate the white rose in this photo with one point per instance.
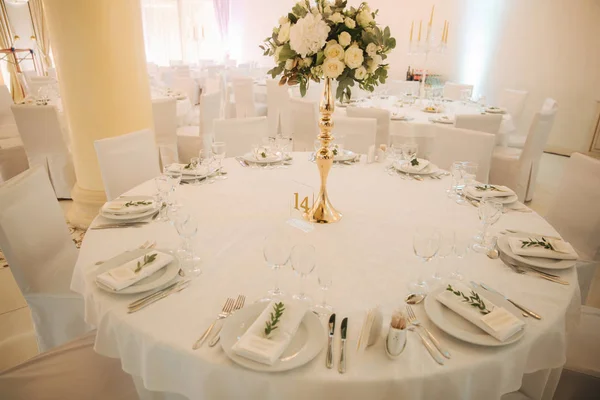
(309, 35)
(371, 49)
(284, 33)
(360, 73)
(354, 57)
(307, 62)
(334, 50)
(284, 20)
(364, 18)
(290, 64)
(336, 18)
(374, 63)
(276, 55)
(327, 10)
(344, 39)
(350, 23)
(332, 67)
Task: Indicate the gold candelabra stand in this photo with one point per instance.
(322, 212)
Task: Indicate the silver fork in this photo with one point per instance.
(239, 303)
(227, 307)
(412, 319)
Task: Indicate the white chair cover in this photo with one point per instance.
(240, 134)
(314, 92)
(304, 123)
(243, 90)
(482, 123)
(278, 106)
(383, 121)
(6, 117)
(453, 144)
(421, 134)
(189, 146)
(357, 134)
(13, 159)
(69, 372)
(518, 169)
(164, 113)
(514, 101)
(400, 88)
(38, 248)
(186, 85)
(453, 90)
(126, 161)
(44, 143)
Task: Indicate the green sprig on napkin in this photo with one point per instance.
(137, 203)
(474, 299)
(263, 154)
(543, 242)
(414, 162)
(271, 325)
(148, 258)
(487, 187)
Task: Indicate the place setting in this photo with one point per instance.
(341, 156)
(127, 211)
(275, 152)
(406, 163)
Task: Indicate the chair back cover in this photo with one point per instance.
(6, 117)
(13, 161)
(304, 123)
(243, 91)
(383, 121)
(514, 101)
(240, 134)
(127, 161)
(71, 371)
(186, 85)
(453, 144)
(164, 113)
(278, 108)
(45, 145)
(357, 134)
(210, 109)
(423, 135)
(189, 146)
(482, 123)
(453, 91)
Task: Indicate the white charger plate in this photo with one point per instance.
(502, 199)
(249, 157)
(547, 263)
(458, 327)
(347, 155)
(128, 211)
(428, 170)
(306, 344)
(160, 278)
(128, 217)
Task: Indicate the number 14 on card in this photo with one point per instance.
(303, 204)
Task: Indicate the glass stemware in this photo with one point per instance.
(207, 162)
(462, 248)
(218, 149)
(303, 262)
(446, 249)
(455, 174)
(468, 175)
(490, 211)
(173, 174)
(276, 250)
(409, 152)
(163, 186)
(325, 278)
(194, 164)
(426, 243)
(187, 228)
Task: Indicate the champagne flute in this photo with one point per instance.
(303, 262)
(446, 249)
(218, 149)
(276, 250)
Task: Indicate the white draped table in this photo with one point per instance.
(370, 252)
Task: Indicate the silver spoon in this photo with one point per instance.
(415, 298)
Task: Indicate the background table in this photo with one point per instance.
(370, 252)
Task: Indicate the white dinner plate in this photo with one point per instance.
(539, 262)
(269, 160)
(188, 175)
(346, 155)
(495, 110)
(128, 217)
(160, 278)
(455, 325)
(428, 170)
(501, 199)
(401, 118)
(305, 345)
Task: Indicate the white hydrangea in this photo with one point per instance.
(334, 50)
(344, 39)
(360, 73)
(349, 22)
(354, 57)
(309, 35)
(284, 33)
(332, 67)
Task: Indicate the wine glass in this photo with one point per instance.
(456, 175)
(462, 248)
(324, 275)
(303, 262)
(218, 149)
(207, 161)
(426, 243)
(187, 228)
(490, 211)
(276, 250)
(163, 186)
(446, 249)
(194, 164)
(173, 173)
(468, 174)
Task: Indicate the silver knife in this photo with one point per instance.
(152, 295)
(520, 307)
(329, 357)
(160, 297)
(432, 351)
(344, 331)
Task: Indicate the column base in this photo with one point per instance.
(86, 204)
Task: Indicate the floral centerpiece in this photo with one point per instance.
(330, 40)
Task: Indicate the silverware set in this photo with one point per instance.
(230, 307)
(522, 269)
(157, 296)
(430, 342)
(520, 307)
(330, 340)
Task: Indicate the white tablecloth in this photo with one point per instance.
(370, 251)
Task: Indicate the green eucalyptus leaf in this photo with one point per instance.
(293, 19)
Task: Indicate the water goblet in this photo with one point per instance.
(455, 174)
(194, 164)
(324, 276)
(426, 243)
(208, 162)
(490, 211)
(218, 149)
(187, 228)
(462, 248)
(163, 186)
(303, 259)
(446, 249)
(276, 250)
(468, 174)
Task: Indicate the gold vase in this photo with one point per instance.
(322, 212)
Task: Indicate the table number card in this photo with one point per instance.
(301, 200)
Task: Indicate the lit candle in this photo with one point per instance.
(420, 24)
(447, 27)
(412, 26)
(431, 17)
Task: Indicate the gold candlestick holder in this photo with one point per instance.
(322, 212)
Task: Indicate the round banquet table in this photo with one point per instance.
(370, 252)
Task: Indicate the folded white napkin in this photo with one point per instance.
(256, 347)
(562, 250)
(480, 190)
(408, 167)
(128, 206)
(499, 323)
(200, 170)
(124, 276)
